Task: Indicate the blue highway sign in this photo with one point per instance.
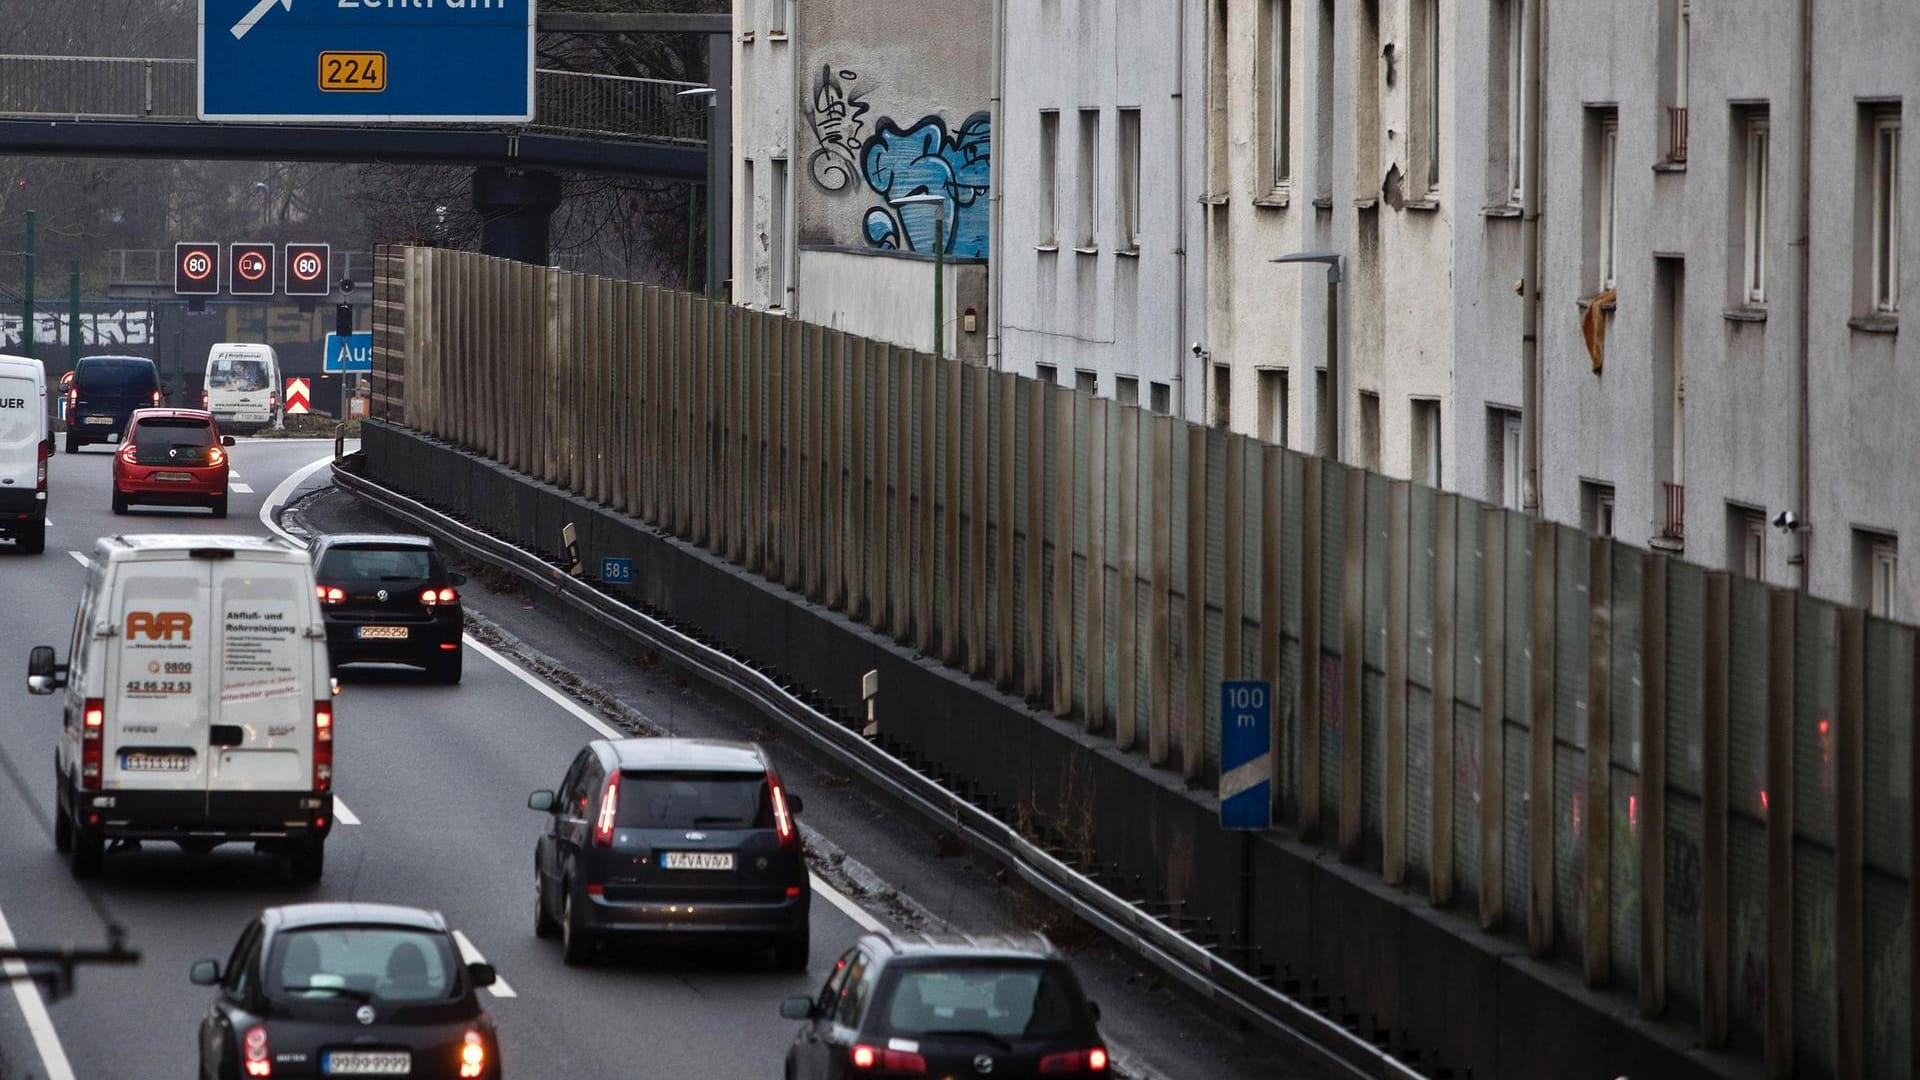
(1246, 754)
(359, 353)
(616, 570)
(462, 61)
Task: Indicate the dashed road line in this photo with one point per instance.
(243, 489)
(81, 558)
(343, 815)
(472, 956)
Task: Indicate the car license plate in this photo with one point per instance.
(99, 419)
(367, 1063)
(173, 476)
(396, 632)
(697, 860)
(136, 761)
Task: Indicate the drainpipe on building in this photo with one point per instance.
(1536, 15)
(997, 198)
(1802, 234)
(1180, 203)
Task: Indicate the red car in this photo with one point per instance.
(172, 457)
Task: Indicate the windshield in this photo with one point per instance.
(686, 800)
(360, 963)
(114, 376)
(347, 564)
(1005, 1002)
(244, 374)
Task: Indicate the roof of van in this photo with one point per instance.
(180, 543)
(8, 359)
(239, 347)
(116, 357)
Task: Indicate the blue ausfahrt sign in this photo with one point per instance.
(616, 571)
(1246, 754)
(357, 356)
(468, 61)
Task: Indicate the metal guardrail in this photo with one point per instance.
(1333, 1045)
(137, 88)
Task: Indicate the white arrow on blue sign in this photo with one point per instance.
(458, 61)
(1246, 754)
(357, 356)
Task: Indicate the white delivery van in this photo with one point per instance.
(243, 387)
(199, 709)
(25, 444)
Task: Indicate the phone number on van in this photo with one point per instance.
(151, 686)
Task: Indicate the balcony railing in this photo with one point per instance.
(1677, 134)
(1675, 525)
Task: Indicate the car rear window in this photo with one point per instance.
(1006, 1001)
(128, 376)
(360, 962)
(687, 800)
(239, 373)
(374, 563)
(165, 431)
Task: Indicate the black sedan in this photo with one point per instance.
(389, 599)
(347, 989)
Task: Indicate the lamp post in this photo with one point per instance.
(939, 203)
(711, 96)
(1332, 262)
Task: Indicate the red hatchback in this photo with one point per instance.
(172, 457)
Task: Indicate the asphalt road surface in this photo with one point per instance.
(432, 783)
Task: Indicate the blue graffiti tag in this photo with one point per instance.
(928, 159)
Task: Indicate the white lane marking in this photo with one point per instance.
(243, 489)
(343, 815)
(53, 1057)
(846, 905)
(81, 558)
(472, 955)
(546, 691)
(285, 489)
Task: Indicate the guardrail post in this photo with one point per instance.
(1782, 610)
(1493, 708)
(1540, 807)
(1446, 553)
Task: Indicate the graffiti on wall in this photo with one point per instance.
(837, 124)
(96, 328)
(929, 159)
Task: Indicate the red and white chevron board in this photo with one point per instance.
(299, 396)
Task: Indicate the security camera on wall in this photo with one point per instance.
(1785, 521)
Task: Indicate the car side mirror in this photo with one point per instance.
(204, 973)
(457, 579)
(541, 800)
(798, 1007)
(795, 803)
(226, 440)
(482, 974)
(43, 675)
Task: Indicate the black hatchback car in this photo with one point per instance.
(389, 599)
(667, 840)
(347, 989)
(103, 394)
(947, 1005)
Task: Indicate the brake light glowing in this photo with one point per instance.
(609, 807)
(73, 400)
(127, 453)
(328, 594)
(1075, 1061)
(216, 456)
(438, 596)
(782, 820)
(1097, 1059)
(205, 399)
(863, 1057)
(473, 1054)
(94, 712)
(893, 1061)
(156, 397)
(254, 1050)
(322, 745)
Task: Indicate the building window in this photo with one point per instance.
(1217, 114)
(1273, 406)
(1883, 214)
(1512, 44)
(1126, 389)
(1162, 401)
(777, 210)
(1596, 507)
(750, 239)
(1323, 105)
(1322, 415)
(1089, 178)
(1222, 395)
(1369, 431)
(1424, 109)
(1047, 373)
(1603, 131)
(1747, 541)
(1130, 179)
(1676, 57)
(1087, 382)
(1426, 442)
(1752, 161)
(1049, 178)
(1504, 460)
(1274, 89)
(1876, 561)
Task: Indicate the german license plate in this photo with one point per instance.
(366, 1063)
(392, 632)
(179, 476)
(138, 761)
(697, 860)
(100, 420)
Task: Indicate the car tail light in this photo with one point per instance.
(329, 594)
(127, 453)
(216, 456)
(273, 399)
(322, 745)
(438, 596)
(253, 1049)
(206, 399)
(782, 820)
(609, 808)
(156, 398)
(94, 715)
(40, 472)
(73, 402)
(1075, 1061)
(894, 1061)
(473, 1054)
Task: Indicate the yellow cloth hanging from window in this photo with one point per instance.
(1593, 327)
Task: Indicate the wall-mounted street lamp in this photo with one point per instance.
(711, 96)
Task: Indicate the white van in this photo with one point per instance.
(25, 444)
(199, 709)
(243, 387)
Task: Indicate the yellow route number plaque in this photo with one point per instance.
(362, 72)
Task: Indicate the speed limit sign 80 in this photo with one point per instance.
(196, 269)
(308, 270)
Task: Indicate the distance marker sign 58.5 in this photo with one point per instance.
(465, 61)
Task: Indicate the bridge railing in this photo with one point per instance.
(156, 88)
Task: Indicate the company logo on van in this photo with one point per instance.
(160, 625)
(13, 403)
